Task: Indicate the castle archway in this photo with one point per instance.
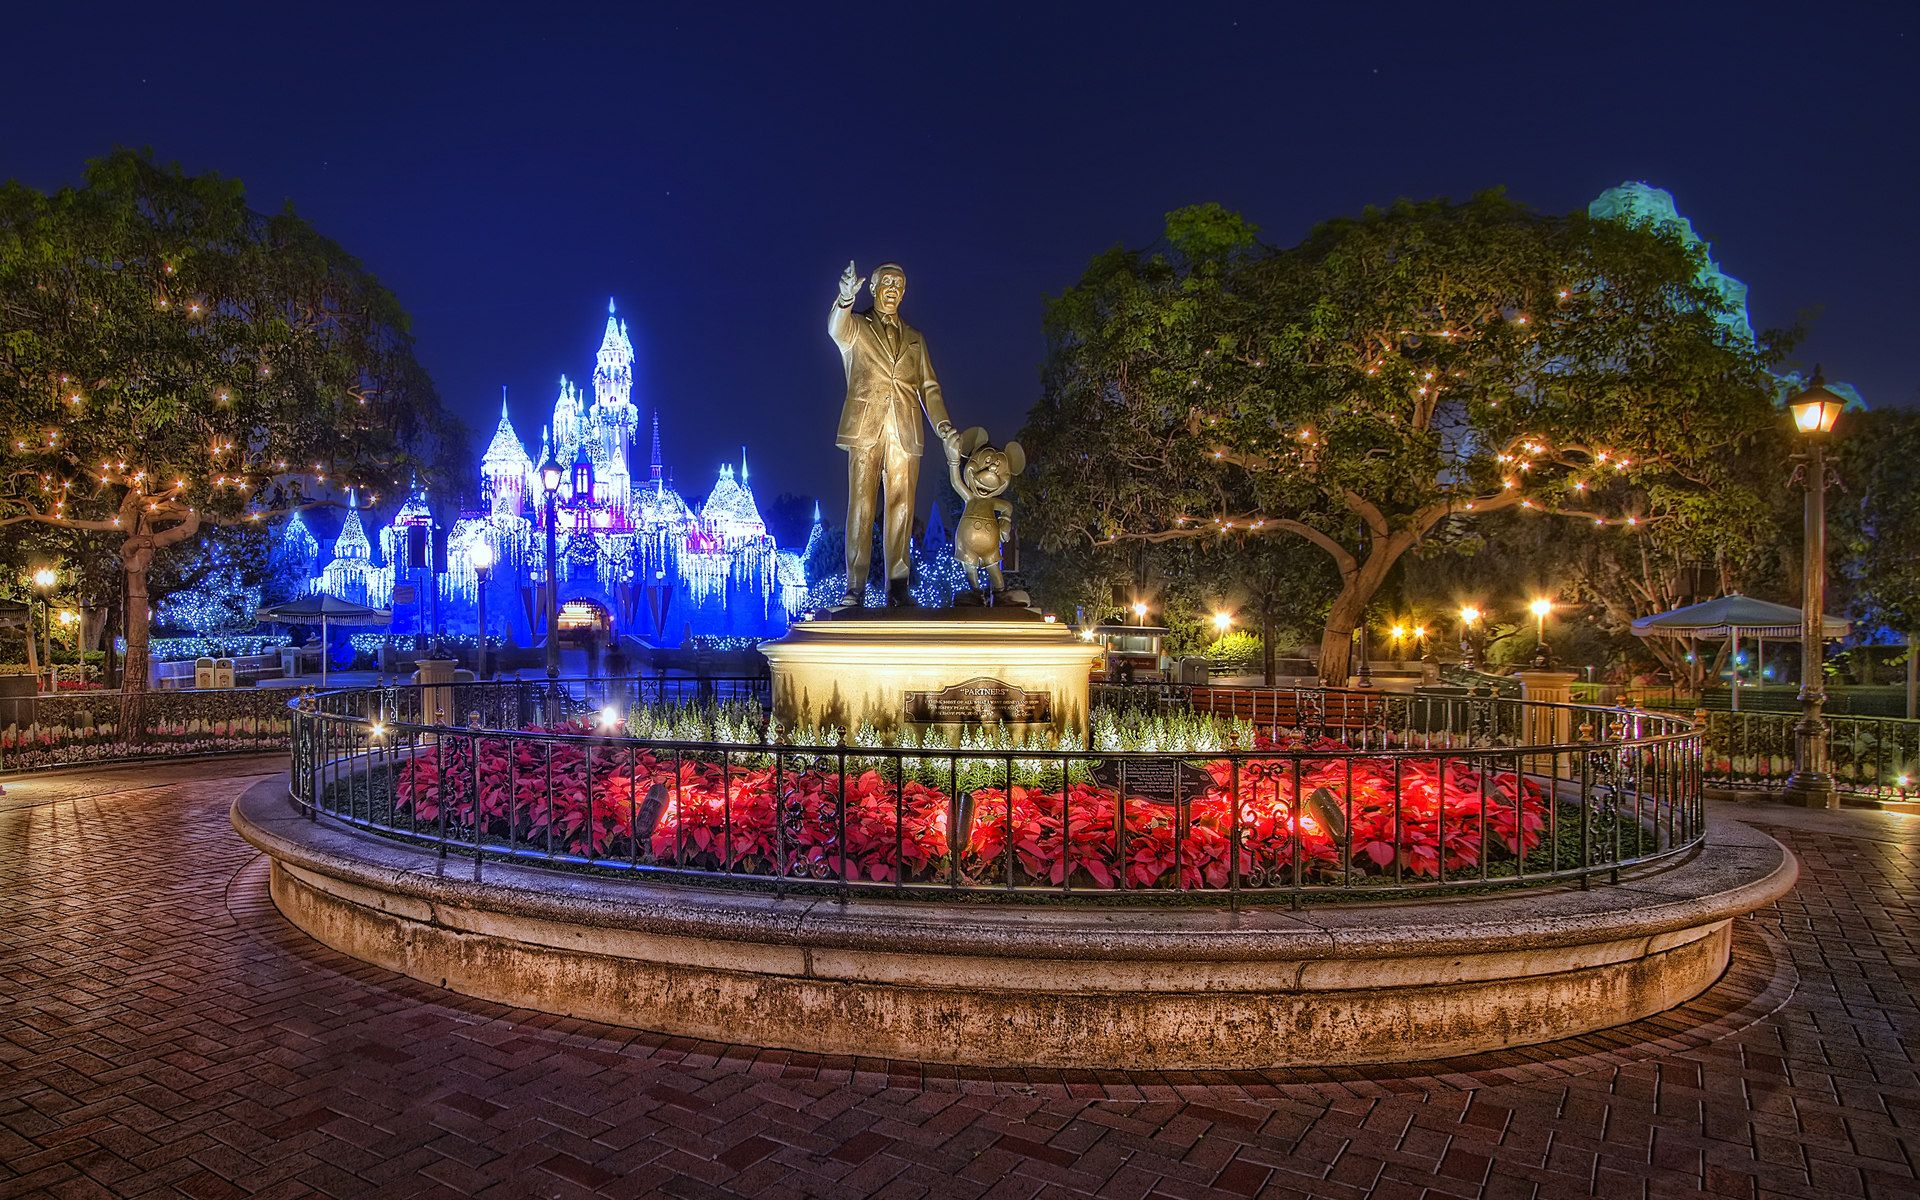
(583, 619)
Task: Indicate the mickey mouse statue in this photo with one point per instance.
(981, 473)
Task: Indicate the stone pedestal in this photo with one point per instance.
(948, 669)
(1547, 726)
(435, 677)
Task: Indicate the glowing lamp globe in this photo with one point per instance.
(1222, 621)
(1540, 607)
(1140, 609)
(1469, 614)
(480, 556)
(550, 475)
(44, 578)
(1816, 409)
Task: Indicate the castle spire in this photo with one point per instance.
(654, 472)
(743, 465)
(613, 373)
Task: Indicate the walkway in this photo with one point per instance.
(163, 1032)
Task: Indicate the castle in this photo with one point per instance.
(633, 557)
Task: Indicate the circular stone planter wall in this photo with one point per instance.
(1041, 985)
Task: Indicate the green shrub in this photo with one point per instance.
(1236, 652)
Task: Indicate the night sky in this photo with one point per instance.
(713, 167)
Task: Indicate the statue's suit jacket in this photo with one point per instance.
(880, 381)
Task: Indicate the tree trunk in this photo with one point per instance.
(1266, 644)
(1357, 590)
(134, 671)
(1336, 639)
(1913, 676)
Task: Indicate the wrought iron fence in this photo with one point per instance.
(1317, 794)
(71, 728)
(1876, 758)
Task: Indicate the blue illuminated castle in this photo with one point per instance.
(634, 557)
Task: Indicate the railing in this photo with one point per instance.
(1399, 795)
(1875, 758)
(67, 729)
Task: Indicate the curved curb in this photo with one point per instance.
(1046, 986)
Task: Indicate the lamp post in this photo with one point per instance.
(550, 480)
(481, 556)
(1469, 617)
(43, 581)
(1540, 607)
(1814, 412)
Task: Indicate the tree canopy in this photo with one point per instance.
(1877, 516)
(1391, 379)
(174, 361)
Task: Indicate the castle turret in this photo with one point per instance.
(506, 474)
(618, 485)
(569, 418)
(614, 418)
(352, 542)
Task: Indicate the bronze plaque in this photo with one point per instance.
(1160, 780)
(979, 701)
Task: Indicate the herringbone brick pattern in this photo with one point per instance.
(163, 1032)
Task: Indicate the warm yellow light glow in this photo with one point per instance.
(1397, 632)
(1469, 614)
(1223, 621)
(1419, 631)
(1140, 609)
(1540, 607)
(68, 616)
(45, 578)
(1816, 415)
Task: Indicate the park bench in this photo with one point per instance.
(1284, 708)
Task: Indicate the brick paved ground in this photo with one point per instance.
(162, 1031)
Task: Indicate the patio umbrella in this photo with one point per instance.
(323, 610)
(1731, 615)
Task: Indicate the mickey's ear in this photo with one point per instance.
(1016, 458)
(972, 440)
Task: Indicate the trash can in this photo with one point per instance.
(203, 674)
(223, 672)
(1194, 668)
(289, 662)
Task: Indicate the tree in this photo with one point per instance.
(173, 360)
(1394, 377)
(790, 519)
(1877, 519)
